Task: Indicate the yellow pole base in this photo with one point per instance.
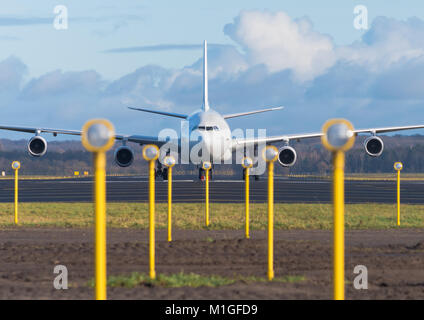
(270, 221)
(16, 196)
(100, 224)
(398, 198)
(169, 204)
(338, 237)
(246, 177)
(152, 219)
(207, 199)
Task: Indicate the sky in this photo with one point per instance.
(304, 55)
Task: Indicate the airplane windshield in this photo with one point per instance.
(207, 128)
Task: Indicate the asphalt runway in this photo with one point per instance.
(187, 189)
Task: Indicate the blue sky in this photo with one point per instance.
(305, 55)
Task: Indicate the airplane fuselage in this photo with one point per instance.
(210, 132)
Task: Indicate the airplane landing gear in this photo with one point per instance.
(202, 174)
(161, 172)
(165, 174)
(256, 177)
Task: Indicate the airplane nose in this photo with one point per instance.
(213, 144)
(206, 142)
(210, 145)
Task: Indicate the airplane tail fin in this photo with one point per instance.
(205, 106)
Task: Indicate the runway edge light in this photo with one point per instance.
(398, 167)
(169, 161)
(98, 136)
(247, 163)
(16, 165)
(151, 154)
(338, 137)
(270, 155)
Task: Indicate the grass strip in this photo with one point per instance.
(230, 216)
(193, 280)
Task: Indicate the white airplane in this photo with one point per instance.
(214, 132)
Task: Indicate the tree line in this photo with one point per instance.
(65, 157)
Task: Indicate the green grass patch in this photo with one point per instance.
(187, 280)
(283, 279)
(190, 216)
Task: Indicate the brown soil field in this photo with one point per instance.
(394, 259)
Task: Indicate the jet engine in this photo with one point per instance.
(287, 156)
(374, 146)
(124, 156)
(37, 146)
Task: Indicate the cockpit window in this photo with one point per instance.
(207, 128)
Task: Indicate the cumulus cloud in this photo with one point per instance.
(12, 72)
(147, 86)
(388, 42)
(403, 81)
(59, 83)
(280, 43)
(223, 61)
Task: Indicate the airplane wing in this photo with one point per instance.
(132, 138)
(388, 129)
(141, 139)
(237, 143)
(163, 113)
(235, 115)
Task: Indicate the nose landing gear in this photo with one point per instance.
(202, 174)
(255, 176)
(161, 172)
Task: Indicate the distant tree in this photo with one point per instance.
(65, 157)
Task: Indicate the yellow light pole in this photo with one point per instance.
(270, 155)
(151, 153)
(398, 167)
(98, 136)
(207, 166)
(338, 136)
(169, 161)
(15, 166)
(247, 163)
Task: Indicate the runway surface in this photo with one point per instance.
(187, 189)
